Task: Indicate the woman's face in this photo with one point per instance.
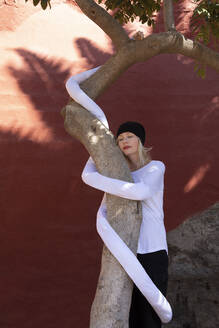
(128, 143)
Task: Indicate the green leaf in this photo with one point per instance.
(137, 10)
(144, 19)
(35, 2)
(200, 69)
(44, 4)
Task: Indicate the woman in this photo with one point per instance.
(148, 176)
(152, 245)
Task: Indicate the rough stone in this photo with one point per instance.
(193, 271)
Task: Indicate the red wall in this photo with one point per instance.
(50, 251)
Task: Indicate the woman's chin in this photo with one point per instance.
(129, 152)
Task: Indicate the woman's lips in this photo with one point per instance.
(126, 147)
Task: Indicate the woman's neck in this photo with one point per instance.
(134, 162)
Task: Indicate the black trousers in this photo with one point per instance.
(142, 315)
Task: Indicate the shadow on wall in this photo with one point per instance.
(43, 276)
(91, 53)
(46, 235)
(42, 79)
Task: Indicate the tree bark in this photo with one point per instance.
(105, 21)
(169, 21)
(175, 43)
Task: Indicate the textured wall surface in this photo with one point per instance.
(50, 251)
(194, 271)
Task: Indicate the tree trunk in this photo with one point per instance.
(113, 295)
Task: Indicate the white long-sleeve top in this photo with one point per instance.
(148, 188)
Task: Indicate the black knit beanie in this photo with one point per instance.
(133, 127)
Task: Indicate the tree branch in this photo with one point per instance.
(141, 51)
(176, 43)
(131, 53)
(108, 73)
(105, 21)
(168, 13)
(199, 52)
(154, 45)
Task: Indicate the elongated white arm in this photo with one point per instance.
(75, 92)
(132, 266)
(134, 191)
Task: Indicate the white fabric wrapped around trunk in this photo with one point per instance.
(111, 239)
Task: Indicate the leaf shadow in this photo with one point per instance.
(93, 55)
(40, 198)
